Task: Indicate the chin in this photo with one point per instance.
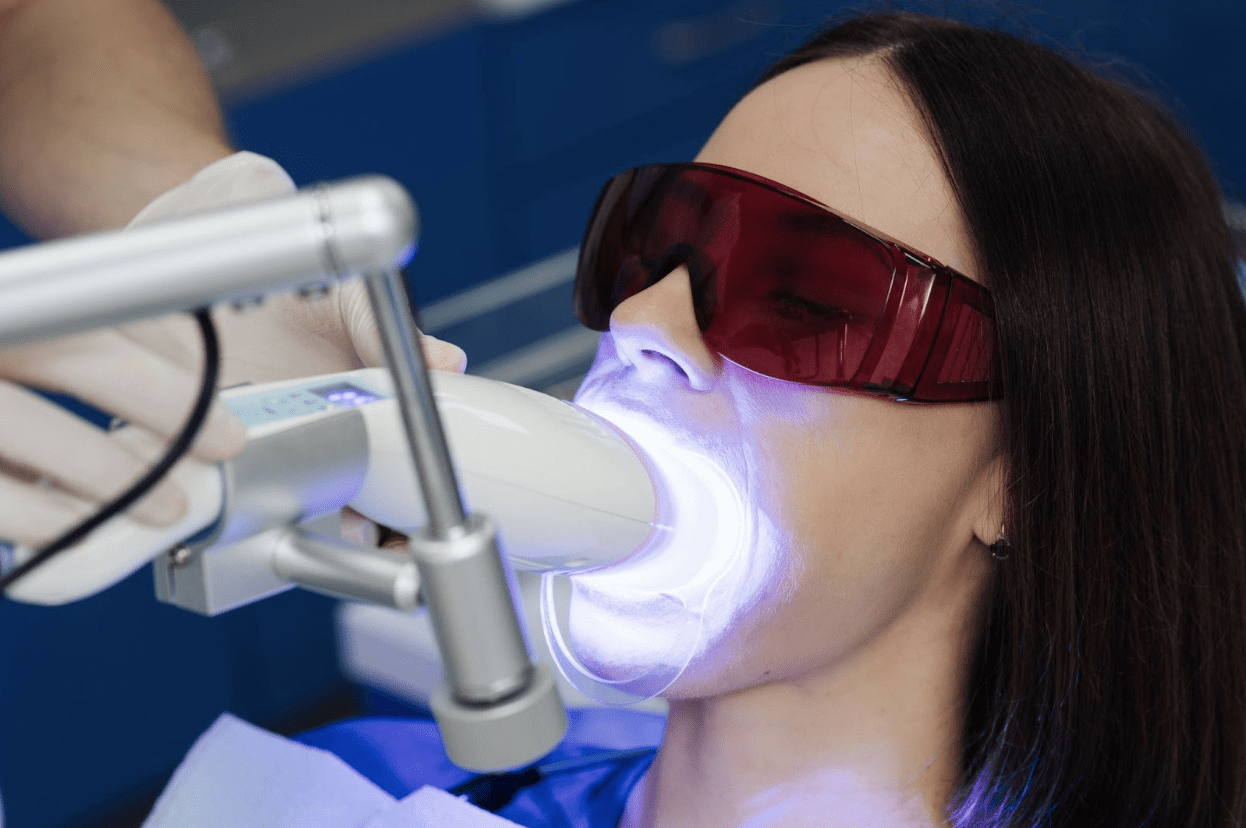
(670, 616)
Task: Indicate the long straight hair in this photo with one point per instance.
(1109, 683)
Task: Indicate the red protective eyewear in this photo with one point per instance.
(785, 287)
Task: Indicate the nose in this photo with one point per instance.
(657, 328)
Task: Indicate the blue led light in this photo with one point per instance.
(344, 394)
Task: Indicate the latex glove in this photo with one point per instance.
(288, 336)
(56, 469)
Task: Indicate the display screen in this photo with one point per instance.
(344, 393)
(322, 394)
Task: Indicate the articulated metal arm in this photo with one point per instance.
(499, 711)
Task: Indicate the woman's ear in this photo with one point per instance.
(991, 498)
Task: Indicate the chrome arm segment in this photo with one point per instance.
(342, 569)
(237, 254)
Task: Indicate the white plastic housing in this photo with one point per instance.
(567, 491)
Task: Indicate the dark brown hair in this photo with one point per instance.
(1109, 686)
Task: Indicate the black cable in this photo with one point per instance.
(176, 450)
(494, 791)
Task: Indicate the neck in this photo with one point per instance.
(871, 740)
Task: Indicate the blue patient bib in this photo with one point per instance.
(402, 755)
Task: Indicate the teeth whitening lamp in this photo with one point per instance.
(570, 492)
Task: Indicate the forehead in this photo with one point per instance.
(843, 132)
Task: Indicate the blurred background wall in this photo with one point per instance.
(503, 118)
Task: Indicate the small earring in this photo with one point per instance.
(1001, 549)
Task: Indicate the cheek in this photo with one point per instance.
(852, 539)
(855, 513)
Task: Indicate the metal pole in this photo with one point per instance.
(420, 418)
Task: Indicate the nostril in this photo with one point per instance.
(652, 354)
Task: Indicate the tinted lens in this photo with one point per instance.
(646, 223)
(801, 293)
(780, 286)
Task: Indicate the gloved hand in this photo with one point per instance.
(287, 336)
(56, 469)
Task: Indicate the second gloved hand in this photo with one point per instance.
(287, 336)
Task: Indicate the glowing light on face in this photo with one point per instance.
(846, 792)
(627, 631)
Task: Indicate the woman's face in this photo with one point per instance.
(840, 514)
